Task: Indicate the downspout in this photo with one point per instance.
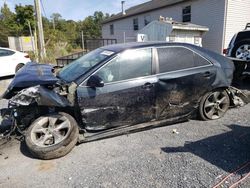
(224, 26)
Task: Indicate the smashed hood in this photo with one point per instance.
(31, 74)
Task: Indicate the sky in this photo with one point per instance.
(75, 9)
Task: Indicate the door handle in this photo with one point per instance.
(147, 85)
(207, 74)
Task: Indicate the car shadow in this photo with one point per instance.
(25, 151)
(226, 151)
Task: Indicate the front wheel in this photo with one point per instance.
(52, 136)
(214, 105)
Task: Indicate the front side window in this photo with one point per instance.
(186, 14)
(178, 58)
(136, 24)
(129, 64)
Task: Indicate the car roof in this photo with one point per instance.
(134, 45)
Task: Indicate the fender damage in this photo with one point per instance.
(39, 95)
(36, 84)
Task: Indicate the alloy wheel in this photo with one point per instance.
(50, 130)
(243, 52)
(216, 105)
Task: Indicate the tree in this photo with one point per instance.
(24, 15)
(60, 35)
(7, 24)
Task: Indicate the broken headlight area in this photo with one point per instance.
(28, 104)
(39, 95)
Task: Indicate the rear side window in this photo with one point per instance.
(129, 64)
(5, 52)
(200, 61)
(178, 58)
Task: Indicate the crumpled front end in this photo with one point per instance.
(39, 95)
(32, 74)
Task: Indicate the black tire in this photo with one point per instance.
(205, 101)
(59, 149)
(238, 45)
(19, 66)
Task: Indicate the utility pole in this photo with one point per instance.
(42, 50)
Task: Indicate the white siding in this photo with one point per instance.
(208, 13)
(238, 15)
(121, 27)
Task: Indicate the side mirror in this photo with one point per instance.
(95, 81)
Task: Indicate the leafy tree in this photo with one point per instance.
(7, 25)
(24, 15)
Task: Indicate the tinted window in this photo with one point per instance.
(174, 58)
(129, 64)
(200, 61)
(5, 52)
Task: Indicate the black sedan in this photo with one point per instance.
(117, 89)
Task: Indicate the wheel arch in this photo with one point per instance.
(19, 64)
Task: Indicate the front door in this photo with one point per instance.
(128, 95)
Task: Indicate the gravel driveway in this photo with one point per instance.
(200, 155)
(196, 154)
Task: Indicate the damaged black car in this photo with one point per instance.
(118, 89)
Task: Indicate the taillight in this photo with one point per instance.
(27, 56)
(224, 51)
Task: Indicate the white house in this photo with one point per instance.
(223, 18)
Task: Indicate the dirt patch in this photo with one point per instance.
(44, 166)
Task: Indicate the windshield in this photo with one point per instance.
(80, 66)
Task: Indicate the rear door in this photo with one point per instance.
(183, 77)
(128, 94)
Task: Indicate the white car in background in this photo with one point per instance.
(11, 61)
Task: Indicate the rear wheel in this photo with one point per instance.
(214, 105)
(52, 136)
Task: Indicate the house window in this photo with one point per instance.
(186, 14)
(135, 24)
(111, 27)
(147, 20)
